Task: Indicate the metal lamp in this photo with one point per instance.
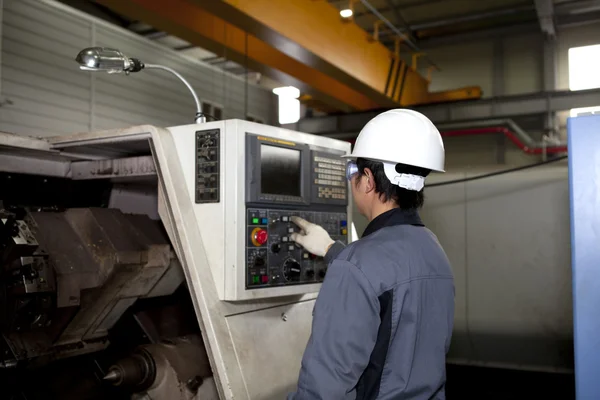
(114, 61)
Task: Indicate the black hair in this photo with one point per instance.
(404, 198)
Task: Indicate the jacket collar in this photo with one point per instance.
(393, 217)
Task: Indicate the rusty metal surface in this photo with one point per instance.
(104, 261)
(74, 266)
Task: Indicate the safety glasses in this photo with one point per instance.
(351, 169)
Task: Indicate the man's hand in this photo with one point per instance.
(313, 238)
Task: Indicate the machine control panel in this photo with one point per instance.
(208, 178)
(273, 259)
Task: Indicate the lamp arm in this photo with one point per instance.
(200, 118)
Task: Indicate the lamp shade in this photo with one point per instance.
(103, 59)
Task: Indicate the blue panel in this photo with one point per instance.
(584, 188)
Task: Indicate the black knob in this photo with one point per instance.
(310, 274)
(322, 273)
(291, 270)
(276, 247)
(259, 262)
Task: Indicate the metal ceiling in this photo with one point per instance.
(422, 23)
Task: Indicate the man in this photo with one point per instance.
(383, 319)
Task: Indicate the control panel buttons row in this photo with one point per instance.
(273, 259)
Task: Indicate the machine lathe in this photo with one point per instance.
(108, 225)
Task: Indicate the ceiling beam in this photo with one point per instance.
(400, 20)
(404, 6)
(461, 19)
(479, 35)
(222, 38)
(545, 13)
(577, 19)
(498, 107)
(577, 7)
(332, 45)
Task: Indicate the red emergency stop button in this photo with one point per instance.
(259, 237)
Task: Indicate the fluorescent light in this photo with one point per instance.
(289, 105)
(287, 91)
(289, 110)
(347, 13)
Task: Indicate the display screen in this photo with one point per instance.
(280, 171)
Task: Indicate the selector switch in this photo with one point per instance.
(291, 270)
(276, 248)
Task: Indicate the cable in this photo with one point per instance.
(506, 171)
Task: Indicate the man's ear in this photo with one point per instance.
(369, 181)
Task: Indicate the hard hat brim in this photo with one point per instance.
(354, 157)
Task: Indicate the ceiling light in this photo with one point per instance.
(287, 91)
(347, 13)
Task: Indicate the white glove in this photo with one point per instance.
(313, 238)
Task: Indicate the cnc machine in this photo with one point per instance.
(198, 212)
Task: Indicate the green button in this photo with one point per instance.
(255, 279)
(255, 221)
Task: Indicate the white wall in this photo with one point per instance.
(508, 241)
(523, 58)
(466, 64)
(472, 63)
(508, 65)
(51, 96)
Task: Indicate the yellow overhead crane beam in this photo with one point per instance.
(303, 43)
(312, 32)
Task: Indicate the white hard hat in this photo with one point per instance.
(401, 136)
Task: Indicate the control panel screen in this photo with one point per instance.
(281, 171)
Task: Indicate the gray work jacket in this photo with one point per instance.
(382, 322)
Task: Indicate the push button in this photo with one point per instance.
(259, 237)
(344, 231)
(284, 239)
(291, 247)
(254, 221)
(265, 279)
(343, 223)
(255, 279)
(290, 230)
(265, 221)
(285, 218)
